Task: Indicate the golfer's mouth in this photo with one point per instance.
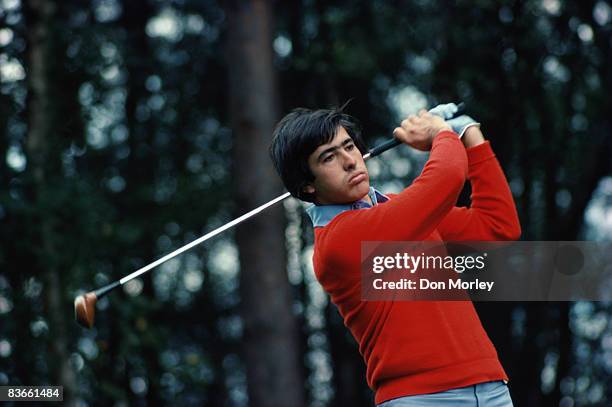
(357, 178)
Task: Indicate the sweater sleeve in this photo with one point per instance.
(414, 213)
(492, 213)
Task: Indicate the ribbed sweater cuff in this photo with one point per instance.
(479, 153)
(446, 134)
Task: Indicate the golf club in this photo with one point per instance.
(85, 304)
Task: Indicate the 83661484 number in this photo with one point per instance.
(31, 393)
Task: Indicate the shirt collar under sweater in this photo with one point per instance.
(321, 215)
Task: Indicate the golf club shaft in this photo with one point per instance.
(204, 238)
(372, 153)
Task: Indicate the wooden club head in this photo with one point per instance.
(85, 309)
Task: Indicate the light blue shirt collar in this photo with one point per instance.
(321, 215)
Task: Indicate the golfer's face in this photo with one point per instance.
(340, 172)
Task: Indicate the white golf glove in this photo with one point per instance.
(459, 124)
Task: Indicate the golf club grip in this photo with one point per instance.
(395, 142)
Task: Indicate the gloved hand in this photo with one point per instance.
(459, 124)
(445, 111)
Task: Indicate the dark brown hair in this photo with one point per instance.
(300, 133)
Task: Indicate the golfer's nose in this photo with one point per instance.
(349, 161)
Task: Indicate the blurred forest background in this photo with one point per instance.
(129, 128)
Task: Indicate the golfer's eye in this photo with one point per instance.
(350, 147)
(328, 158)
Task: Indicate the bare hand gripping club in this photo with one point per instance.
(84, 305)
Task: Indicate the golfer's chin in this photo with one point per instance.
(346, 195)
(359, 191)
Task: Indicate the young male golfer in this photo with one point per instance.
(418, 353)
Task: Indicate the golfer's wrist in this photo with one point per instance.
(472, 137)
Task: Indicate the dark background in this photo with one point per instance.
(129, 128)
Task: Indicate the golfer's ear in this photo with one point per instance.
(309, 189)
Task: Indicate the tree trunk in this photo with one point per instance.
(270, 335)
(140, 170)
(44, 163)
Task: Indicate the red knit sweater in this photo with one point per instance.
(418, 347)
